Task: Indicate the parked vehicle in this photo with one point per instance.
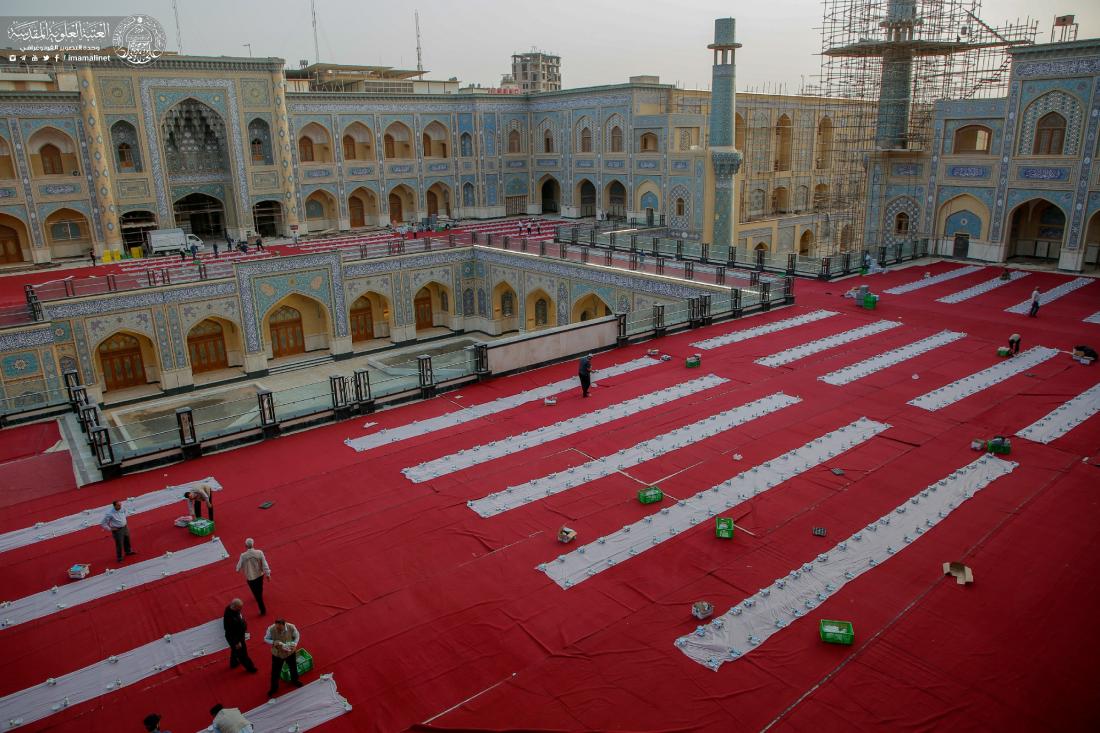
(170, 241)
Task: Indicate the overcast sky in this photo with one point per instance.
(600, 41)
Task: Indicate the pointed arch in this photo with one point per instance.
(434, 140)
(402, 204)
(585, 196)
(124, 139)
(363, 208)
(589, 306)
(398, 142)
(126, 359)
(1060, 134)
(322, 212)
(540, 310)
(432, 306)
(194, 138)
(259, 142)
(296, 324)
(583, 134)
(783, 141)
(53, 153)
(357, 142)
(314, 144)
(370, 317)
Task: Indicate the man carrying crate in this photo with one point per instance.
(283, 638)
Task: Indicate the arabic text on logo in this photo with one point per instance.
(139, 40)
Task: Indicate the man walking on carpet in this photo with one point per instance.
(585, 374)
(115, 522)
(283, 638)
(253, 564)
(1035, 296)
(235, 627)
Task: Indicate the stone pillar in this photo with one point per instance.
(721, 221)
(100, 155)
(283, 143)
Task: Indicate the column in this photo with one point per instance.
(99, 158)
(283, 141)
(720, 224)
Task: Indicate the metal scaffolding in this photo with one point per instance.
(885, 64)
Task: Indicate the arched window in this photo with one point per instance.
(972, 139)
(390, 148)
(305, 150)
(259, 135)
(444, 301)
(467, 194)
(616, 139)
(548, 142)
(586, 140)
(515, 144)
(1050, 134)
(124, 137)
(680, 207)
(507, 304)
(901, 223)
(466, 144)
(648, 143)
(542, 312)
(51, 160)
(349, 148)
(315, 209)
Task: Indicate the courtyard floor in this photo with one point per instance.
(433, 602)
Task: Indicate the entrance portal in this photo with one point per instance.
(287, 337)
(120, 359)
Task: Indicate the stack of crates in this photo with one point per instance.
(304, 662)
(999, 445)
(870, 301)
(1002, 351)
(836, 632)
(723, 528)
(650, 495)
(693, 361)
(201, 527)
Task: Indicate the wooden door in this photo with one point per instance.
(120, 358)
(423, 307)
(287, 337)
(355, 212)
(206, 343)
(433, 204)
(10, 250)
(397, 214)
(362, 322)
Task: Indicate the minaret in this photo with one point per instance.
(725, 161)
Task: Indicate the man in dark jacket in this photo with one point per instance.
(585, 374)
(235, 627)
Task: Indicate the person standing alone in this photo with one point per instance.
(585, 374)
(115, 522)
(1035, 296)
(253, 564)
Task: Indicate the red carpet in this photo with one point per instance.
(426, 612)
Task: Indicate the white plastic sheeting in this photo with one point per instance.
(1064, 418)
(751, 622)
(516, 496)
(1094, 318)
(876, 363)
(981, 288)
(111, 674)
(1051, 295)
(963, 388)
(476, 412)
(91, 517)
(111, 581)
(813, 347)
(588, 560)
(748, 333)
(303, 709)
(934, 280)
(497, 449)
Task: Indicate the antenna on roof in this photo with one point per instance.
(419, 60)
(316, 46)
(179, 35)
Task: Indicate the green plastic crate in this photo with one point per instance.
(1000, 448)
(201, 527)
(870, 302)
(692, 361)
(723, 528)
(836, 632)
(650, 495)
(304, 661)
(1002, 351)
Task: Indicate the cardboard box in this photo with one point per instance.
(566, 535)
(963, 574)
(80, 571)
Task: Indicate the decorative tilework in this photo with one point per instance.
(20, 364)
(896, 206)
(255, 92)
(11, 340)
(1033, 173)
(178, 337)
(1060, 67)
(1058, 101)
(249, 273)
(116, 91)
(152, 127)
(906, 169)
(968, 171)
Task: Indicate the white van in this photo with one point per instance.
(170, 241)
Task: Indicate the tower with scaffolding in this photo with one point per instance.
(885, 64)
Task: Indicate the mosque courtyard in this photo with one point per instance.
(416, 549)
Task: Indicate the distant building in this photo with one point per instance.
(536, 71)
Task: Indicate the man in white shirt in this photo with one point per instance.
(229, 720)
(253, 565)
(114, 521)
(1036, 297)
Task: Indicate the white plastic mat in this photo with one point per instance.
(963, 388)
(303, 709)
(747, 333)
(861, 369)
(92, 517)
(1069, 415)
(824, 344)
(476, 412)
